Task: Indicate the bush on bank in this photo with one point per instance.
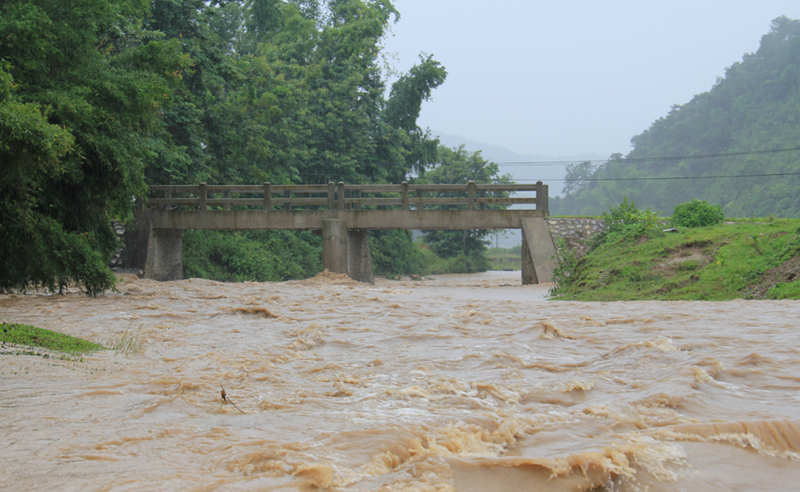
(273, 256)
(697, 213)
(254, 256)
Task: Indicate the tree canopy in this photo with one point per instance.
(755, 107)
(82, 84)
(458, 166)
(99, 98)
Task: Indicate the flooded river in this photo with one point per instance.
(468, 383)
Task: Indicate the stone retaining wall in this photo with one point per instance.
(575, 231)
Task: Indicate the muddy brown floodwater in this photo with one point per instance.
(468, 383)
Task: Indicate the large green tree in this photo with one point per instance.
(290, 92)
(100, 98)
(458, 166)
(82, 86)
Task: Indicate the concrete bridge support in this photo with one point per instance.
(538, 252)
(346, 250)
(334, 245)
(359, 261)
(157, 252)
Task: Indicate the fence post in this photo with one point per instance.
(471, 195)
(203, 197)
(267, 197)
(227, 205)
(541, 196)
(331, 196)
(168, 195)
(404, 199)
(340, 191)
(287, 194)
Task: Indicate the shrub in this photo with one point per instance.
(395, 253)
(256, 256)
(624, 222)
(566, 267)
(697, 213)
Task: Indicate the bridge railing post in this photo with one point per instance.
(404, 197)
(482, 194)
(340, 192)
(357, 195)
(287, 194)
(331, 196)
(267, 197)
(419, 199)
(541, 196)
(203, 197)
(227, 204)
(471, 195)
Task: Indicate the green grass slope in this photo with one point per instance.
(729, 261)
(31, 336)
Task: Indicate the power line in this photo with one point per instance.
(649, 159)
(669, 177)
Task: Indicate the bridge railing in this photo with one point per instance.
(332, 196)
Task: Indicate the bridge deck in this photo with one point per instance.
(356, 219)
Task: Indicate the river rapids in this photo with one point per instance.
(453, 383)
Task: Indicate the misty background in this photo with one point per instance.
(537, 82)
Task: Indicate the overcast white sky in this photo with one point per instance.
(560, 78)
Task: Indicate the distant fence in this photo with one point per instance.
(332, 196)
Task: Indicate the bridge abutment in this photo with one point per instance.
(538, 252)
(157, 252)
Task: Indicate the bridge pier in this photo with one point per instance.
(346, 250)
(359, 260)
(334, 245)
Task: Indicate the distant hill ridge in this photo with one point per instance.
(551, 175)
(755, 107)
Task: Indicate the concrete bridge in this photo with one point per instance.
(342, 213)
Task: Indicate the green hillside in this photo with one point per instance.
(746, 260)
(753, 113)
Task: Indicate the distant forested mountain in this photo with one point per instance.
(753, 113)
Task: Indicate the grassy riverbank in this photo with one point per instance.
(28, 338)
(743, 260)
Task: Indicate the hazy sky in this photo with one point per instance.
(561, 78)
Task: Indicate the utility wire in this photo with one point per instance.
(648, 159)
(668, 177)
(631, 161)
